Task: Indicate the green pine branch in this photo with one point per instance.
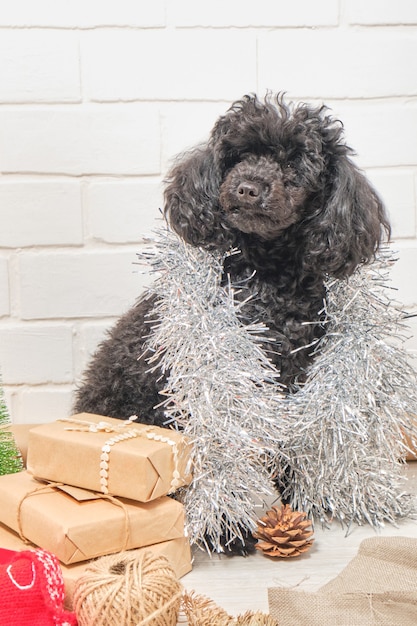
(10, 458)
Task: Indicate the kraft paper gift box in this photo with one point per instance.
(177, 551)
(103, 454)
(78, 525)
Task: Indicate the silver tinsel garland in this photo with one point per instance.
(343, 455)
(220, 391)
(338, 440)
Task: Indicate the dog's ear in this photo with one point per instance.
(351, 224)
(191, 199)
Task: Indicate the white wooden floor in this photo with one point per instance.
(238, 584)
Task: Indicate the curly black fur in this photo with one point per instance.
(274, 180)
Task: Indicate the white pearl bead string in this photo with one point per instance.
(123, 435)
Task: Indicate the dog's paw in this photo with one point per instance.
(241, 548)
(237, 547)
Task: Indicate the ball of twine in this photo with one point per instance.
(134, 588)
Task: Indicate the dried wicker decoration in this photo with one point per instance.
(283, 532)
(198, 610)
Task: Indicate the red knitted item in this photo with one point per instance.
(32, 590)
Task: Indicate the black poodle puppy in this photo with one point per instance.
(275, 181)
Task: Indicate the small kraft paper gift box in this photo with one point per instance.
(77, 525)
(177, 551)
(118, 457)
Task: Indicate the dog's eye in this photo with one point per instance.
(290, 178)
(290, 169)
(291, 166)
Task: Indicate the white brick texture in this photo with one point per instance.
(84, 140)
(337, 63)
(397, 189)
(130, 66)
(122, 211)
(382, 133)
(97, 98)
(76, 285)
(82, 14)
(375, 12)
(40, 213)
(39, 66)
(36, 353)
(266, 13)
(37, 405)
(4, 288)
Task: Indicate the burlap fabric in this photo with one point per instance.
(378, 587)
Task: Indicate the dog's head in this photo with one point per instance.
(277, 173)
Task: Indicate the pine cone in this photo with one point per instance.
(283, 532)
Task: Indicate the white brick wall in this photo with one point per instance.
(4, 288)
(36, 354)
(119, 211)
(97, 97)
(75, 284)
(39, 66)
(82, 140)
(341, 63)
(40, 213)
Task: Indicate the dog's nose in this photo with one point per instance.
(249, 190)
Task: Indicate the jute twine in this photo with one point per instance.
(133, 588)
(136, 588)
(198, 610)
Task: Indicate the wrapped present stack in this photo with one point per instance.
(96, 486)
